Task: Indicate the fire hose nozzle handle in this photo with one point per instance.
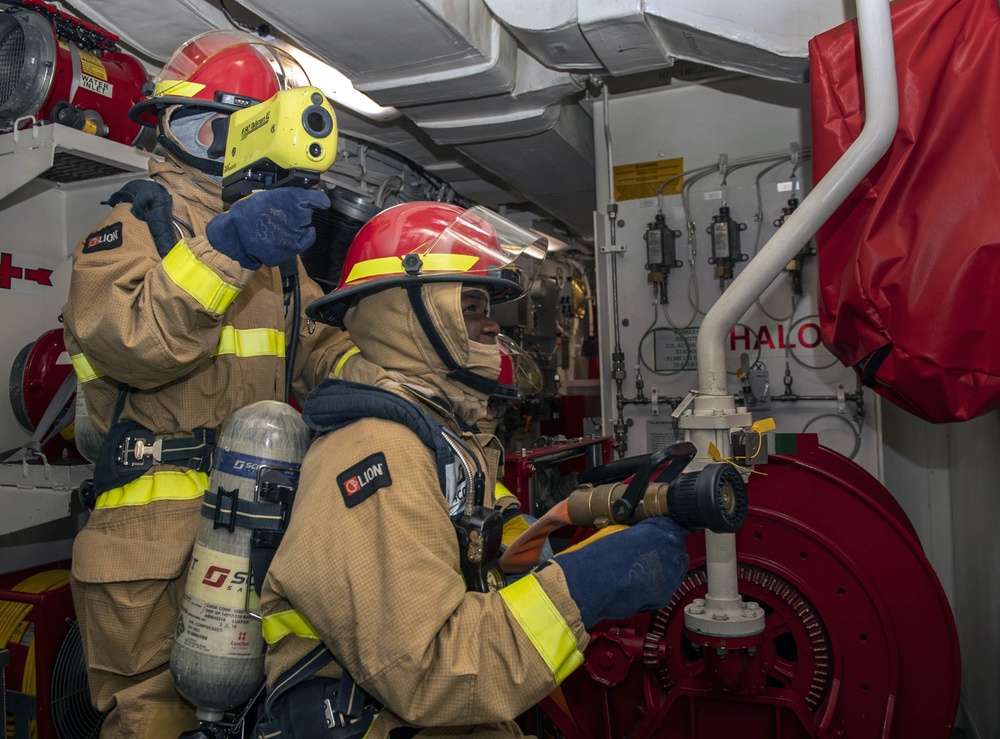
(714, 498)
(665, 465)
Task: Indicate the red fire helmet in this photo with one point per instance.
(419, 242)
(220, 70)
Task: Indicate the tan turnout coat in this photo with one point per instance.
(136, 325)
(380, 581)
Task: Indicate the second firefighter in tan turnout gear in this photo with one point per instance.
(370, 571)
(178, 340)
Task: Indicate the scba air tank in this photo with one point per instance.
(217, 660)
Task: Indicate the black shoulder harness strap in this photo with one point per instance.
(338, 403)
(152, 204)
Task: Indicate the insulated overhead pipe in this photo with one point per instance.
(714, 409)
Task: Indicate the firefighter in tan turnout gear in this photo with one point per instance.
(379, 612)
(178, 316)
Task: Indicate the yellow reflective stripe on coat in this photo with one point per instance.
(544, 625)
(166, 485)
(277, 626)
(198, 280)
(501, 491)
(394, 265)
(251, 342)
(343, 360)
(85, 371)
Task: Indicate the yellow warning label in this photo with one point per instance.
(93, 66)
(643, 179)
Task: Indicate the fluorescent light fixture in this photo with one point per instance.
(336, 86)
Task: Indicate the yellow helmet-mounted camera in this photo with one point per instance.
(289, 139)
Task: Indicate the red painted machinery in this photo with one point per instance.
(46, 679)
(36, 377)
(62, 69)
(859, 640)
(530, 474)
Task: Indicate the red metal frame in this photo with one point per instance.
(574, 455)
(48, 620)
(859, 638)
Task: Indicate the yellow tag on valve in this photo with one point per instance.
(716, 455)
(764, 425)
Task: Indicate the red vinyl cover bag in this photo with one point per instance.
(909, 293)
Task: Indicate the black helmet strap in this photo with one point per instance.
(456, 371)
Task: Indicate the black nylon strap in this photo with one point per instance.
(869, 366)
(194, 452)
(229, 511)
(298, 673)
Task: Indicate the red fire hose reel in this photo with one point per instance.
(859, 639)
(38, 372)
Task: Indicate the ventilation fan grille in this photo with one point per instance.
(72, 713)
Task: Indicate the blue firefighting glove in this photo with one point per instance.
(632, 570)
(268, 227)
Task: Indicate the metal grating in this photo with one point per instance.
(72, 168)
(11, 62)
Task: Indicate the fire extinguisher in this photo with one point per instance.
(217, 661)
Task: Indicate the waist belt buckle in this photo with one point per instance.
(134, 451)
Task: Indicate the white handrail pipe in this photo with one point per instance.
(878, 70)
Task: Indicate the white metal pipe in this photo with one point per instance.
(878, 70)
(720, 557)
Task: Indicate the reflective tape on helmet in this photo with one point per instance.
(166, 485)
(277, 626)
(85, 371)
(382, 266)
(180, 88)
(546, 628)
(198, 280)
(251, 342)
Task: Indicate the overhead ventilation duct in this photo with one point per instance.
(763, 39)
(535, 139)
(550, 31)
(525, 110)
(404, 52)
(553, 169)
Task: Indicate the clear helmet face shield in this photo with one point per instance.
(420, 242)
(482, 244)
(520, 377)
